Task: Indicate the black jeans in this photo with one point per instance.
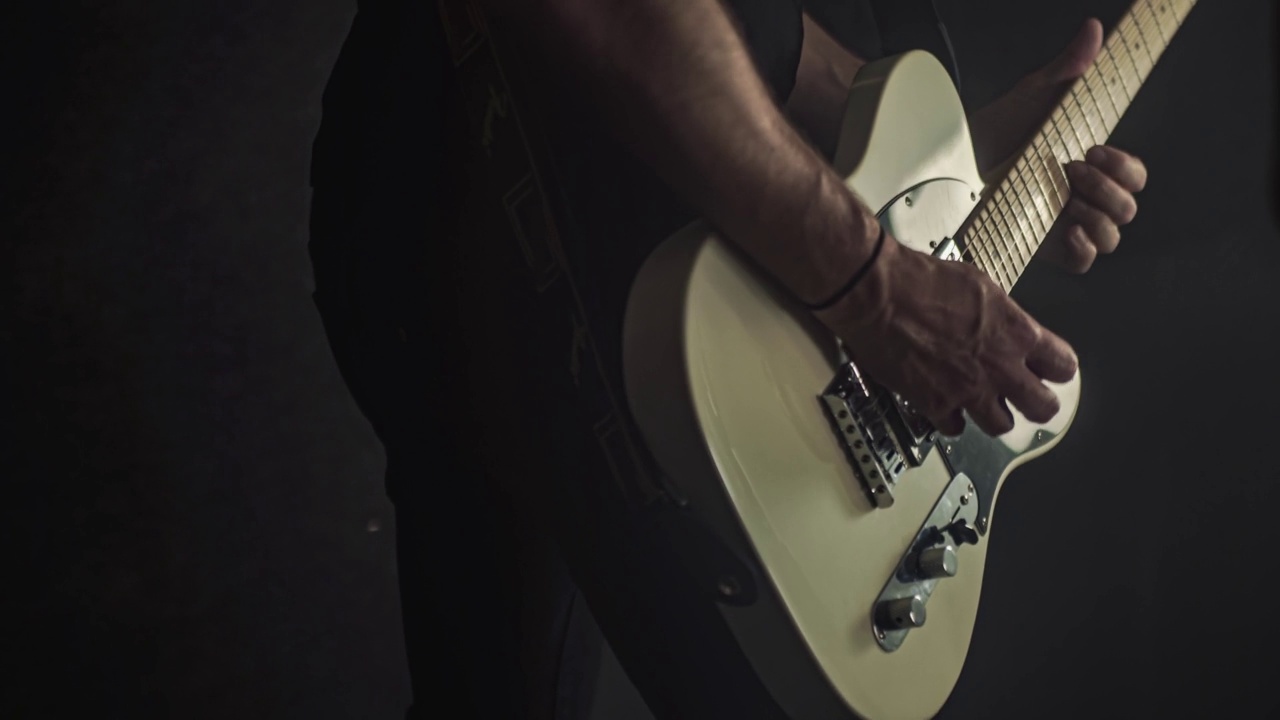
(483, 639)
(487, 504)
(508, 510)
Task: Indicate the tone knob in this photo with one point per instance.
(937, 562)
(901, 614)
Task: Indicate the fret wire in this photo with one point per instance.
(1154, 16)
(1015, 228)
(1024, 245)
(1010, 199)
(1109, 123)
(1045, 210)
(1159, 12)
(1001, 218)
(1084, 110)
(1061, 188)
(1164, 12)
(1035, 192)
(967, 253)
(1124, 41)
(1004, 236)
(989, 223)
(1119, 73)
(1107, 83)
(993, 248)
(981, 248)
(1066, 147)
(1184, 14)
(1044, 199)
(970, 251)
(1146, 44)
(1041, 173)
(977, 246)
(1030, 208)
(973, 260)
(998, 271)
(1075, 130)
(1132, 60)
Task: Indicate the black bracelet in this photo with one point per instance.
(857, 277)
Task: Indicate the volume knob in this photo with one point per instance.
(936, 562)
(901, 614)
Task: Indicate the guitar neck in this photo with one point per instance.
(1007, 228)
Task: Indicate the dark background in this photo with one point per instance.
(195, 503)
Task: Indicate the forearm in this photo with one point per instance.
(678, 85)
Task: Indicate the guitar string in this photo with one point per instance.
(1142, 22)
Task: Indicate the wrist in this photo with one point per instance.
(865, 303)
(844, 239)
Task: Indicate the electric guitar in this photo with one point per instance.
(855, 519)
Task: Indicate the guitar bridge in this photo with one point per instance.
(857, 414)
(880, 433)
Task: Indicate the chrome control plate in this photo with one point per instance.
(950, 523)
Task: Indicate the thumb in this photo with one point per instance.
(1079, 54)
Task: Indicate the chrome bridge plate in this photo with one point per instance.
(881, 434)
(857, 414)
(900, 607)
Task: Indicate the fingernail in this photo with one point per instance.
(1095, 154)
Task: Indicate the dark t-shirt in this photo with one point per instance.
(615, 208)
(384, 125)
(380, 106)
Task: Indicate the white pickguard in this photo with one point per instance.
(723, 374)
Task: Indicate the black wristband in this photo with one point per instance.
(857, 277)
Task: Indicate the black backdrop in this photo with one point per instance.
(196, 502)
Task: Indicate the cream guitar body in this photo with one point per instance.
(866, 568)
(852, 539)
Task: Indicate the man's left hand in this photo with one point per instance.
(1103, 185)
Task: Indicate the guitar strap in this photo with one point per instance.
(516, 185)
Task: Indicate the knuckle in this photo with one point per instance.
(1110, 240)
(1090, 180)
(1081, 251)
(996, 417)
(1023, 328)
(1043, 405)
(1140, 182)
(1128, 210)
(1079, 210)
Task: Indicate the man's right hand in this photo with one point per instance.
(676, 82)
(949, 340)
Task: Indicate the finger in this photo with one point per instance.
(1052, 359)
(1031, 397)
(1078, 253)
(1125, 169)
(1077, 56)
(992, 416)
(1102, 192)
(1100, 230)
